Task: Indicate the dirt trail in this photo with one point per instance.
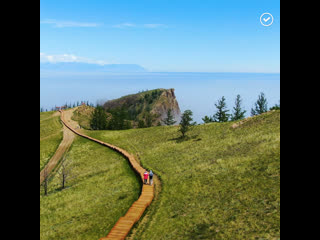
(126, 223)
(68, 119)
(68, 137)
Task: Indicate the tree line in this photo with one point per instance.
(119, 119)
(223, 114)
(68, 105)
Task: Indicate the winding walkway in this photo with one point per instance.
(64, 146)
(124, 224)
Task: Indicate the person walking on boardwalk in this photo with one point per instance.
(151, 177)
(146, 177)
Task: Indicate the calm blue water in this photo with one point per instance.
(195, 91)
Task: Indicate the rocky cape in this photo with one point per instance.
(157, 102)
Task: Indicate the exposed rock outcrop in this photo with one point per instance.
(167, 101)
(156, 102)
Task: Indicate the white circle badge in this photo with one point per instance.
(266, 19)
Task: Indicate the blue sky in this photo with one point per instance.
(163, 35)
(205, 49)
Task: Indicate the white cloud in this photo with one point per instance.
(68, 58)
(125, 25)
(64, 24)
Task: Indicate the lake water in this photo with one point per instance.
(196, 91)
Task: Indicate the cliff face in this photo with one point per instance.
(140, 106)
(167, 101)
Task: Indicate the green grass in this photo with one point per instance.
(221, 183)
(83, 116)
(46, 115)
(102, 189)
(50, 136)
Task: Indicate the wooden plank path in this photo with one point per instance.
(124, 224)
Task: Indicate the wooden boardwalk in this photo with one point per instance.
(124, 224)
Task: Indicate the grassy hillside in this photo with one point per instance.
(102, 189)
(141, 110)
(136, 104)
(222, 183)
(152, 104)
(83, 116)
(50, 136)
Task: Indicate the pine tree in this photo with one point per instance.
(119, 120)
(261, 106)
(238, 112)
(169, 121)
(222, 112)
(99, 119)
(207, 119)
(127, 125)
(275, 107)
(149, 119)
(141, 124)
(186, 122)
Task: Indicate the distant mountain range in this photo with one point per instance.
(86, 67)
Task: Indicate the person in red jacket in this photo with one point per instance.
(146, 177)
